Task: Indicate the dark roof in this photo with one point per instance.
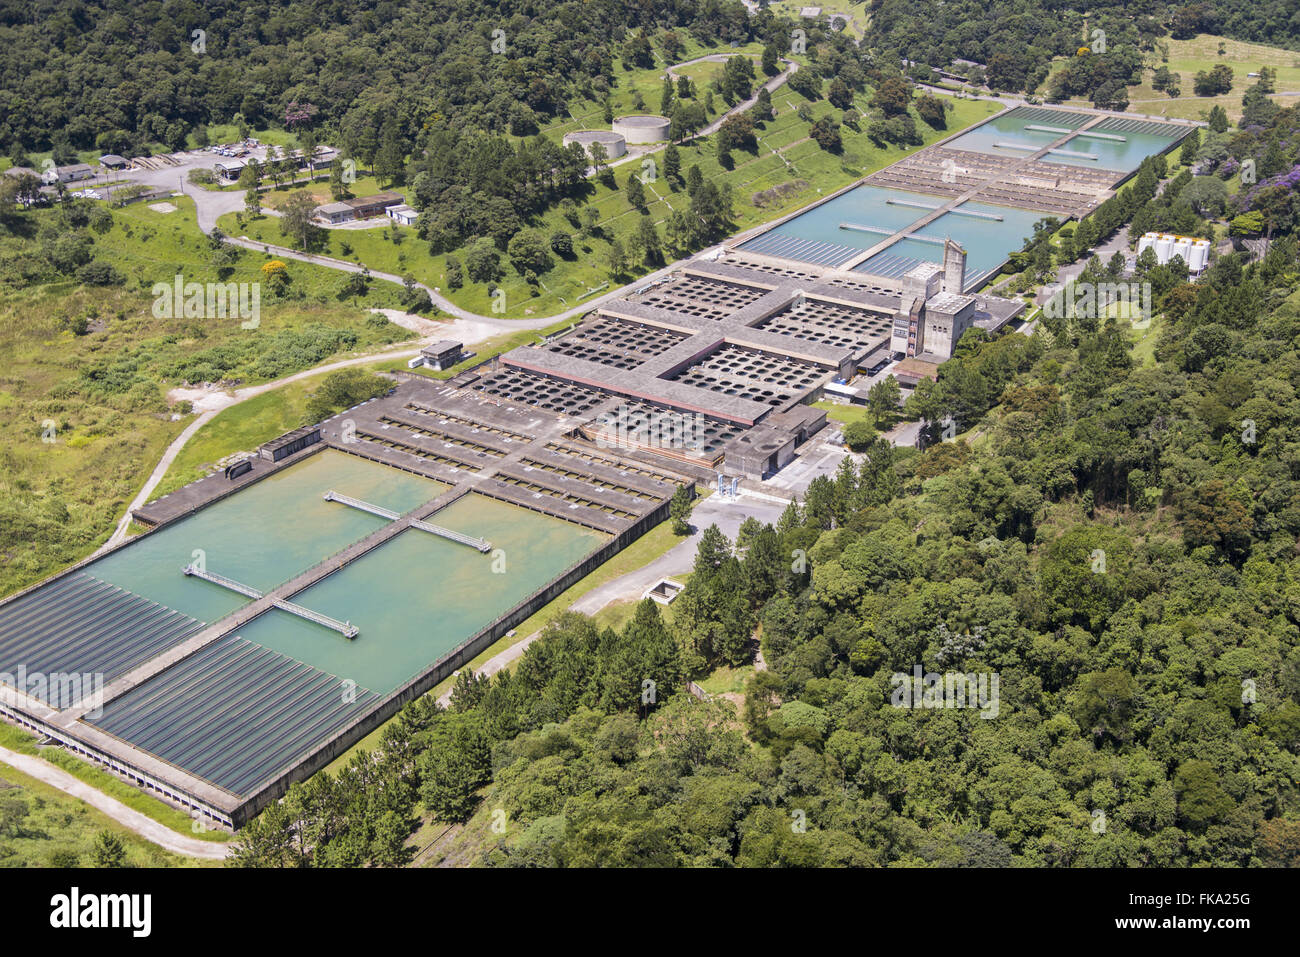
(290, 437)
(916, 368)
(442, 348)
(386, 199)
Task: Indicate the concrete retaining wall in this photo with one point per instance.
(643, 129)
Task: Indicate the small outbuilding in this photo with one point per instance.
(230, 169)
(289, 443)
(442, 355)
(74, 173)
(403, 215)
(335, 213)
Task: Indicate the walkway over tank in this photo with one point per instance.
(481, 544)
(345, 628)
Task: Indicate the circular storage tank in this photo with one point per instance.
(1200, 256)
(643, 129)
(614, 143)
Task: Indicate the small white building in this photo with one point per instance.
(69, 174)
(403, 215)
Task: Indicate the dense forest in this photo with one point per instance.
(116, 75)
(1115, 547)
(1015, 40)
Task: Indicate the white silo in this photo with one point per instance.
(1182, 246)
(1164, 246)
(1200, 255)
(1146, 242)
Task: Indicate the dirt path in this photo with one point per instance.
(129, 818)
(209, 403)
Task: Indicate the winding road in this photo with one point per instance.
(129, 818)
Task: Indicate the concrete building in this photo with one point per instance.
(931, 319)
(335, 213)
(947, 317)
(289, 443)
(442, 355)
(74, 173)
(954, 267)
(403, 215)
(760, 452)
(229, 169)
(113, 161)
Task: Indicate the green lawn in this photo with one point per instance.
(844, 413)
(320, 190)
(1144, 342)
(1201, 53)
(727, 680)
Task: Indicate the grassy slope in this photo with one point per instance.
(104, 448)
(59, 823)
(18, 740)
(1201, 53)
(240, 428)
(785, 154)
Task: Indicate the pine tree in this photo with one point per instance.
(680, 509)
(672, 162)
(634, 191)
(109, 851)
(666, 97)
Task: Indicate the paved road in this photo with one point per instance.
(449, 307)
(130, 818)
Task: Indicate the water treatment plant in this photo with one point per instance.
(277, 612)
(982, 189)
